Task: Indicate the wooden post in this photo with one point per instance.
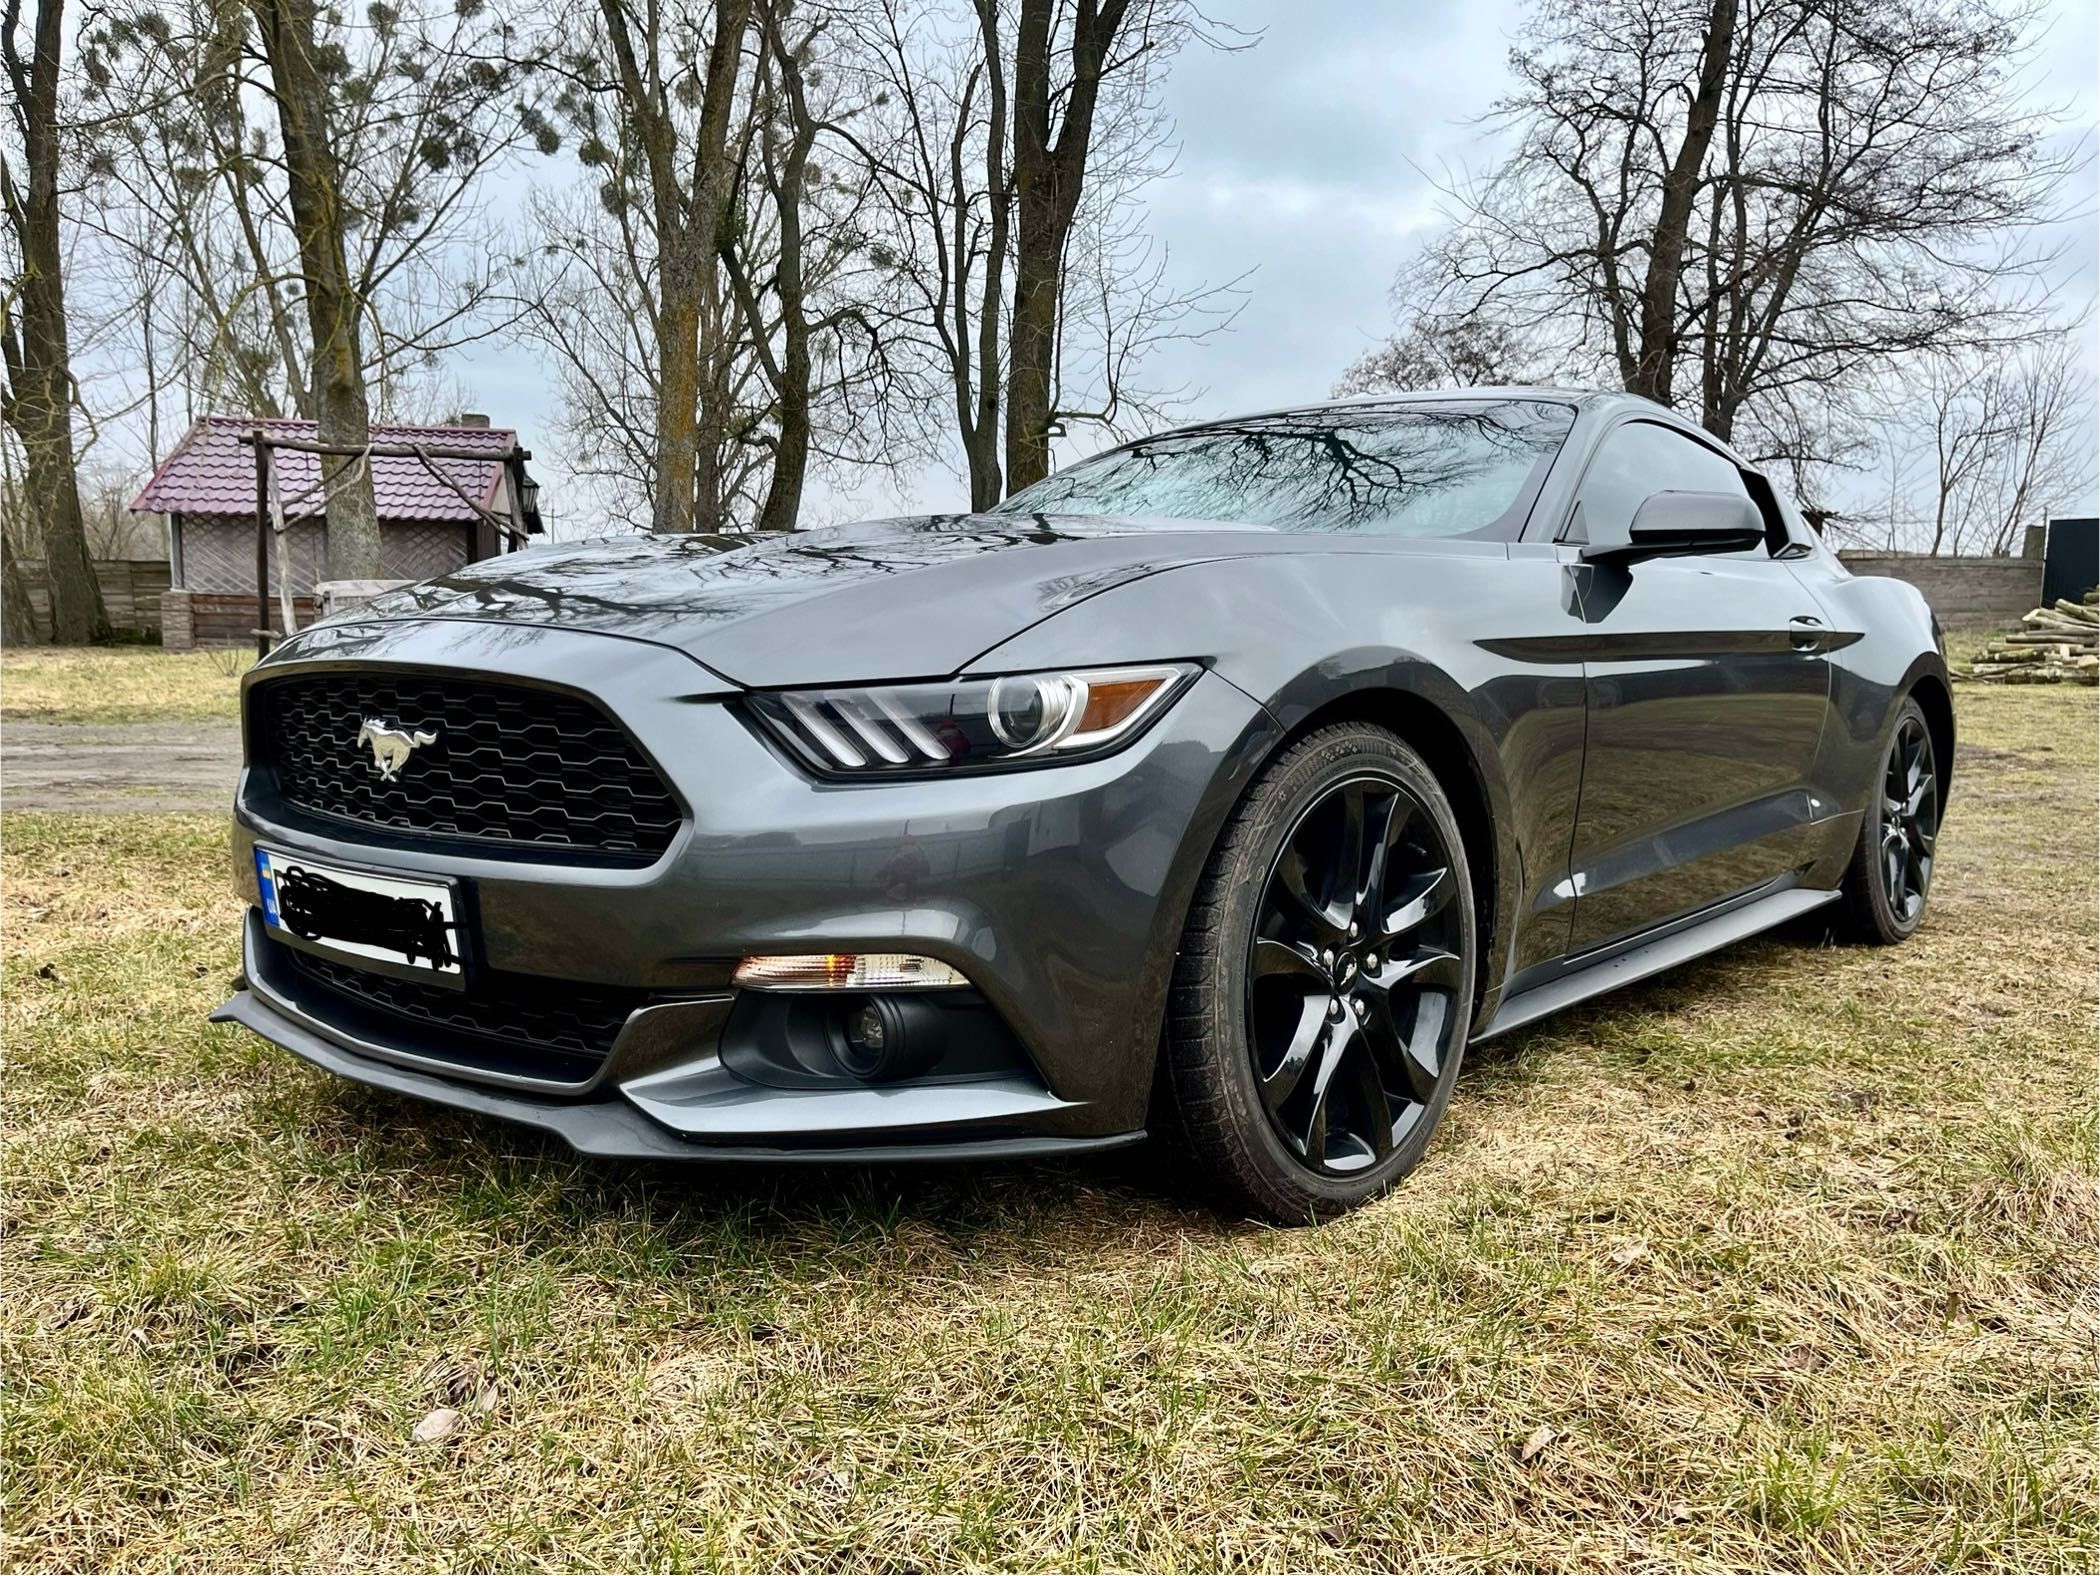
(262, 545)
(514, 488)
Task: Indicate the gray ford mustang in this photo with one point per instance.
(1228, 783)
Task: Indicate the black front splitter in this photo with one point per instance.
(611, 1128)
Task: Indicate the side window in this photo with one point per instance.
(1637, 461)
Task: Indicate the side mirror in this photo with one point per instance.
(1675, 524)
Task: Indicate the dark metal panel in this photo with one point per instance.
(1706, 707)
(2071, 560)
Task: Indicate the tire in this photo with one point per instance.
(1888, 883)
(1305, 1066)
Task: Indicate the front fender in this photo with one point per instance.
(1894, 644)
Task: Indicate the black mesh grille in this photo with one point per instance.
(564, 1028)
(508, 764)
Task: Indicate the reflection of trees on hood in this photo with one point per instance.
(1335, 470)
(648, 583)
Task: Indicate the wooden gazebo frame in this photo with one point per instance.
(494, 532)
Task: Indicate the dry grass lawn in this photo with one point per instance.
(121, 684)
(1786, 1260)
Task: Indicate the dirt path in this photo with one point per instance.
(138, 766)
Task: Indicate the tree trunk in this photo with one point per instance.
(1656, 356)
(1048, 177)
(39, 399)
(17, 617)
(790, 376)
(677, 397)
(979, 419)
(333, 305)
(713, 177)
(690, 421)
(1032, 345)
(783, 505)
(1038, 255)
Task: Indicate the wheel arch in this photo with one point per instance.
(1934, 698)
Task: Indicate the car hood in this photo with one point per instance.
(887, 599)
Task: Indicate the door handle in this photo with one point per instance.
(1806, 632)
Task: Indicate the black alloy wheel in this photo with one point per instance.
(1323, 990)
(1353, 975)
(1910, 820)
(1888, 884)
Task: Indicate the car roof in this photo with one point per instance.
(1586, 399)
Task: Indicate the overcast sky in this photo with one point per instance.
(1312, 160)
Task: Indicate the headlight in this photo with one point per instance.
(964, 724)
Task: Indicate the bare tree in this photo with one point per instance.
(588, 299)
(37, 403)
(1068, 54)
(654, 88)
(1763, 196)
(334, 310)
(816, 309)
(941, 159)
(224, 265)
(800, 323)
(1971, 447)
(1431, 353)
(1019, 250)
(626, 288)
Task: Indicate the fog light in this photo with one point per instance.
(882, 1038)
(872, 1040)
(847, 971)
(865, 1032)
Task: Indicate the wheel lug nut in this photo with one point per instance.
(1334, 1008)
(1352, 928)
(1371, 964)
(1360, 1007)
(1327, 958)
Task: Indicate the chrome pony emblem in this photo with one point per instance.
(391, 747)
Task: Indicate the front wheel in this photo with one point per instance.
(1889, 881)
(1324, 988)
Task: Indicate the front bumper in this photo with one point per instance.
(1058, 892)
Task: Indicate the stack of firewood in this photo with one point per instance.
(2058, 644)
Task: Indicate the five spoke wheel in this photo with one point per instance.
(1910, 819)
(1354, 973)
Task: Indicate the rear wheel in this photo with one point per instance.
(1889, 881)
(1324, 987)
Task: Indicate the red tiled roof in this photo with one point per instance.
(212, 472)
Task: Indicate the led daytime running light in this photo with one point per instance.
(968, 723)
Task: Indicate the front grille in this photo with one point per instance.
(555, 1029)
(509, 764)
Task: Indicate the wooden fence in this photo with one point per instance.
(131, 590)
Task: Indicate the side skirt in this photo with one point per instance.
(1640, 959)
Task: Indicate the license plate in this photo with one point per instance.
(361, 915)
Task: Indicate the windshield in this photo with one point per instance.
(1412, 470)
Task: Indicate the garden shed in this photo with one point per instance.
(429, 522)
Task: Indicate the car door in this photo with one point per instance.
(1706, 685)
